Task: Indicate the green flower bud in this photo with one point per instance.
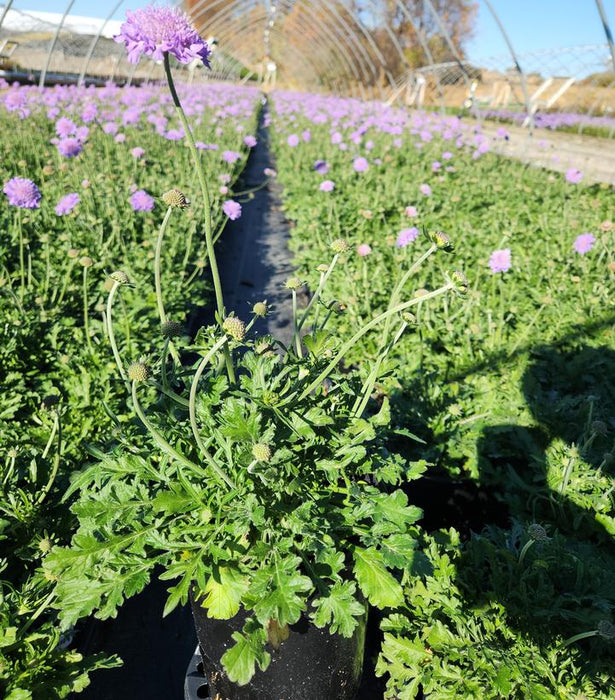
(293, 283)
(460, 281)
(176, 199)
(442, 241)
(599, 427)
(263, 345)
(235, 328)
(171, 329)
(260, 309)
(73, 253)
(606, 630)
(45, 545)
(86, 261)
(138, 372)
(339, 246)
(537, 533)
(119, 277)
(322, 268)
(261, 452)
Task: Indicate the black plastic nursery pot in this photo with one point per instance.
(311, 664)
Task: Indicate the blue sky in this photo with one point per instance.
(531, 24)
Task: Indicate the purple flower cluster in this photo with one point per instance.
(154, 31)
(232, 209)
(584, 243)
(141, 201)
(406, 236)
(22, 193)
(67, 203)
(500, 260)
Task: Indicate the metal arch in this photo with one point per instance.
(316, 69)
(5, 10)
(425, 46)
(53, 42)
(449, 41)
(513, 55)
(95, 41)
(229, 10)
(392, 37)
(607, 30)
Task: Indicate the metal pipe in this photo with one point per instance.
(95, 40)
(52, 44)
(607, 30)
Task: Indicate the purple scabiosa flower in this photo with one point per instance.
(82, 133)
(230, 157)
(137, 152)
(174, 134)
(406, 236)
(70, 147)
(270, 172)
(574, 176)
(364, 250)
(65, 127)
(360, 164)
(250, 141)
(223, 189)
(336, 138)
(110, 128)
(321, 167)
(447, 155)
(411, 212)
(293, 140)
(22, 193)
(500, 260)
(67, 203)
(369, 145)
(232, 209)
(435, 166)
(327, 186)
(141, 201)
(154, 31)
(426, 190)
(501, 133)
(584, 243)
(119, 138)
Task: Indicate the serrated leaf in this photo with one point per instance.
(240, 660)
(394, 508)
(223, 593)
(379, 586)
(339, 609)
(398, 551)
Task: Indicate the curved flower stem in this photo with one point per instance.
(578, 637)
(21, 257)
(192, 408)
(209, 241)
(296, 334)
(110, 332)
(367, 327)
(57, 427)
(317, 293)
(158, 438)
(525, 550)
(157, 282)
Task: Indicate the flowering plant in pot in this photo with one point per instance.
(259, 482)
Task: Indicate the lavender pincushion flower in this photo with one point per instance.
(500, 260)
(22, 193)
(360, 164)
(406, 236)
(584, 243)
(232, 209)
(141, 201)
(67, 203)
(327, 186)
(154, 31)
(574, 176)
(70, 147)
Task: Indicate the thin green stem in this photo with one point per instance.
(157, 257)
(192, 409)
(86, 315)
(296, 333)
(578, 637)
(317, 293)
(525, 550)
(21, 258)
(110, 332)
(366, 328)
(57, 426)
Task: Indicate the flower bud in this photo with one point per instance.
(119, 277)
(45, 545)
(293, 283)
(86, 261)
(261, 452)
(138, 372)
(260, 309)
(537, 533)
(599, 427)
(73, 253)
(176, 199)
(171, 329)
(606, 630)
(339, 246)
(460, 281)
(322, 268)
(442, 241)
(235, 328)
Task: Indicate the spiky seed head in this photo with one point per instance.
(235, 328)
(537, 533)
(293, 283)
(460, 281)
(606, 629)
(200, 264)
(176, 199)
(261, 452)
(599, 427)
(171, 329)
(138, 372)
(260, 309)
(338, 307)
(12, 453)
(119, 277)
(48, 170)
(45, 545)
(339, 246)
(86, 261)
(442, 241)
(409, 318)
(322, 268)
(73, 253)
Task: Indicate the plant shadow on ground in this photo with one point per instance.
(558, 472)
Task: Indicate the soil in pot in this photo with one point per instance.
(311, 664)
